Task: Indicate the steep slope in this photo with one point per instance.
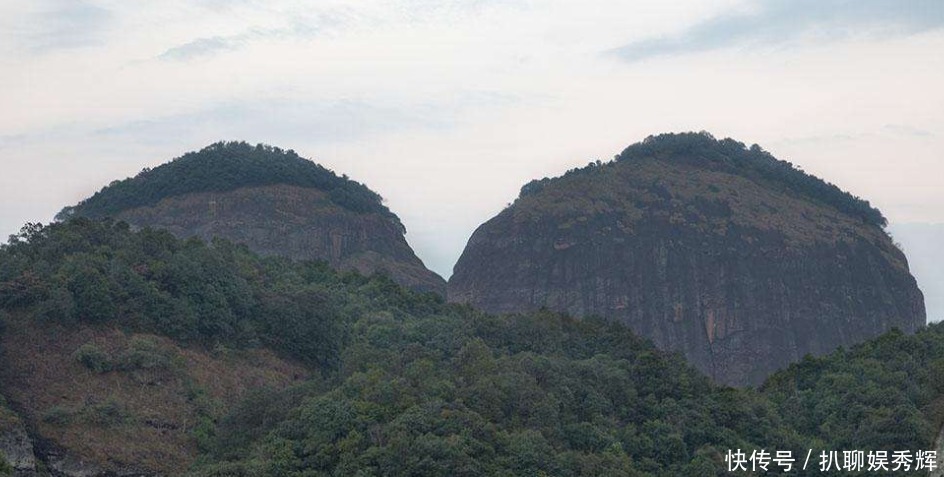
(118, 351)
(271, 200)
(723, 253)
(102, 400)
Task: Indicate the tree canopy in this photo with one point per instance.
(226, 166)
(410, 385)
(733, 157)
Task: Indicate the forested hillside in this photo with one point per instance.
(227, 166)
(400, 383)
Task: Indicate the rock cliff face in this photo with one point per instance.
(271, 200)
(736, 260)
(295, 222)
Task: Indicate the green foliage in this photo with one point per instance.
(226, 166)
(882, 394)
(106, 414)
(410, 385)
(142, 353)
(207, 413)
(93, 358)
(145, 353)
(109, 413)
(203, 432)
(733, 157)
(5, 468)
(452, 391)
(101, 272)
(58, 415)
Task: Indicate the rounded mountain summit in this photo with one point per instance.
(739, 261)
(272, 201)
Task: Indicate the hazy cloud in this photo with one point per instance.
(67, 24)
(201, 47)
(282, 121)
(285, 121)
(210, 46)
(819, 139)
(421, 11)
(778, 22)
(906, 130)
(7, 140)
(901, 130)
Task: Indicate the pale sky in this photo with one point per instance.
(447, 107)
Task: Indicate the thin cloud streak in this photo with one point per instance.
(211, 46)
(784, 22)
(305, 25)
(906, 130)
(285, 120)
(202, 47)
(898, 131)
(321, 122)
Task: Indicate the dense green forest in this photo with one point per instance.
(408, 385)
(733, 157)
(226, 166)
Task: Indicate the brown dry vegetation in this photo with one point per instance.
(629, 189)
(148, 410)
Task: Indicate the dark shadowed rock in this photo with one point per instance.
(735, 259)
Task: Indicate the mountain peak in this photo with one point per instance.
(227, 166)
(740, 261)
(271, 200)
(703, 150)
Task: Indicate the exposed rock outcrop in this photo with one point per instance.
(295, 222)
(16, 447)
(274, 202)
(739, 261)
(138, 419)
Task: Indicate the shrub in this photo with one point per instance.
(108, 413)
(58, 415)
(145, 353)
(5, 467)
(59, 306)
(142, 353)
(93, 358)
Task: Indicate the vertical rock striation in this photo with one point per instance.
(295, 222)
(736, 260)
